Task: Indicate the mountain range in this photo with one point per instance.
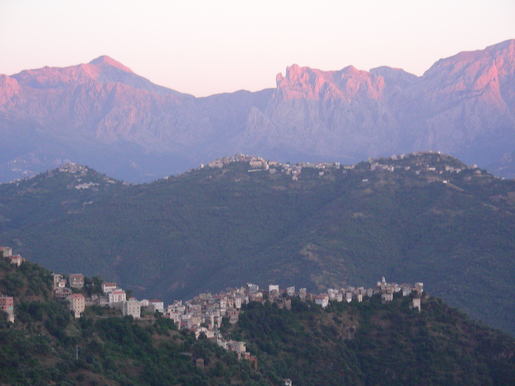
(103, 115)
(419, 217)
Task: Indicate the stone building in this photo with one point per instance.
(76, 280)
(131, 307)
(117, 296)
(16, 260)
(6, 252)
(77, 304)
(7, 306)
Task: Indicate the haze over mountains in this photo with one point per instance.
(104, 115)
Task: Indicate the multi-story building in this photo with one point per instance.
(108, 287)
(76, 280)
(117, 296)
(7, 306)
(158, 305)
(132, 307)
(77, 304)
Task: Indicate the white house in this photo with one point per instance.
(6, 251)
(158, 305)
(108, 287)
(322, 300)
(117, 296)
(16, 260)
(290, 291)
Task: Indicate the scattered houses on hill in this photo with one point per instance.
(203, 315)
(7, 253)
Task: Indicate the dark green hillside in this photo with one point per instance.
(50, 196)
(375, 344)
(424, 217)
(27, 283)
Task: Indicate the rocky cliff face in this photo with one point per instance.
(104, 115)
(463, 105)
(338, 114)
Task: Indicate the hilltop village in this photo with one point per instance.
(205, 313)
(390, 164)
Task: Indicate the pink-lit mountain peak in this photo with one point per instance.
(299, 73)
(501, 55)
(487, 74)
(101, 69)
(306, 82)
(107, 61)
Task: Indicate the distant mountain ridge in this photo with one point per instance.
(104, 115)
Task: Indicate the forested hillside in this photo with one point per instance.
(423, 216)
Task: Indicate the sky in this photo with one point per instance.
(203, 47)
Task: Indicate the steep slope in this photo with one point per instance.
(335, 114)
(422, 217)
(102, 114)
(370, 344)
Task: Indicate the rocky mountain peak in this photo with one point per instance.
(313, 84)
(501, 56)
(107, 61)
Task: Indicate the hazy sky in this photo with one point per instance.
(205, 47)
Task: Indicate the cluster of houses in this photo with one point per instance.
(257, 164)
(7, 253)
(204, 314)
(112, 296)
(419, 166)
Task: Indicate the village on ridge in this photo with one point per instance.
(203, 315)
